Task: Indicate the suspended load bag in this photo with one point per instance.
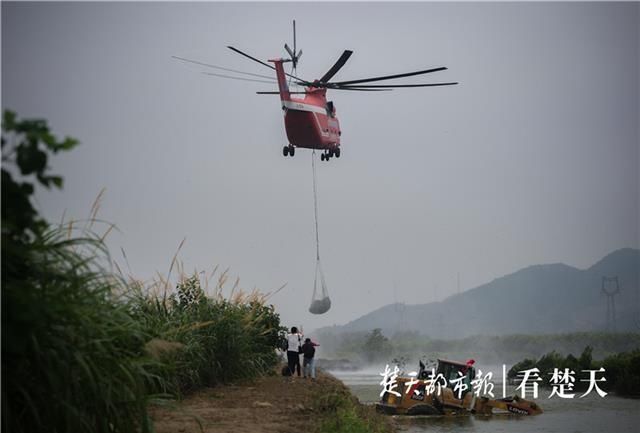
(320, 302)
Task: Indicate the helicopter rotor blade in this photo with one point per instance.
(336, 67)
(277, 93)
(291, 53)
(294, 38)
(265, 64)
(250, 57)
(209, 65)
(389, 86)
(337, 88)
(294, 60)
(238, 78)
(389, 77)
(361, 89)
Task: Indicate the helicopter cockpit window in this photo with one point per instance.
(331, 110)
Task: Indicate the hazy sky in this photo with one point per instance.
(532, 159)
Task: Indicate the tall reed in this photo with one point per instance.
(85, 350)
(220, 340)
(73, 357)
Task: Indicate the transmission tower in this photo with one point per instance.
(611, 288)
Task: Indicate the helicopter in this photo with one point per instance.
(311, 121)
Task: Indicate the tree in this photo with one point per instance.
(26, 145)
(376, 346)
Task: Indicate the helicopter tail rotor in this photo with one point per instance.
(294, 54)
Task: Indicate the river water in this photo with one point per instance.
(591, 414)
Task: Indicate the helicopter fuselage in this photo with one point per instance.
(310, 122)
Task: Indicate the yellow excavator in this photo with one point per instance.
(416, 396)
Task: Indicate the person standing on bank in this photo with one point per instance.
(294, 348)
(309, 362)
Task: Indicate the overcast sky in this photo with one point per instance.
(532, 159)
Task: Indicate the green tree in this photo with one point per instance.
(585, 361)
(376, 346)
(26, 145)
(25, 149)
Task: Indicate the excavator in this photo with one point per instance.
(416, 396)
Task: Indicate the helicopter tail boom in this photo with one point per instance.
(282, 80)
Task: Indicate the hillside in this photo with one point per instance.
(541, 299)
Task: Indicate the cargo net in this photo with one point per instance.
(320, 302)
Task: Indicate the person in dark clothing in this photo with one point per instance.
(294, 347)
(309, 361)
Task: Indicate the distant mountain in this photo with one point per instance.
(541, 299)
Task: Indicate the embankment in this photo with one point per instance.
(271, 404)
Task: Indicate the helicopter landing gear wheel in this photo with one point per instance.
(322, 158)
(338, 152)
(288, 150)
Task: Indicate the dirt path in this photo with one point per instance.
(270, 404)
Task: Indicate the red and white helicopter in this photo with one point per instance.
(311, 121)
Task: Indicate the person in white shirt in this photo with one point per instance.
(294, 344)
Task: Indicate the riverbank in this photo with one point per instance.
(271, 404)
(591, 414)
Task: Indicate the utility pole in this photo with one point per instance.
(610, 287)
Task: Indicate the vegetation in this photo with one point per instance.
(551, 360)
(487, 349)
(376, 346)
(72, 356)
(87, 350)
(342, 413)
(621, 370)
(204, 341)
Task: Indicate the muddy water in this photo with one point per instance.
(591, 414)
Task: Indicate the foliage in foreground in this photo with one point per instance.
(72, 356)
(82, 349)
(342, 413)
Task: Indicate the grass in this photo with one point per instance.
(72, 356)
(341, 412)
(206, 340)
(85, 349)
